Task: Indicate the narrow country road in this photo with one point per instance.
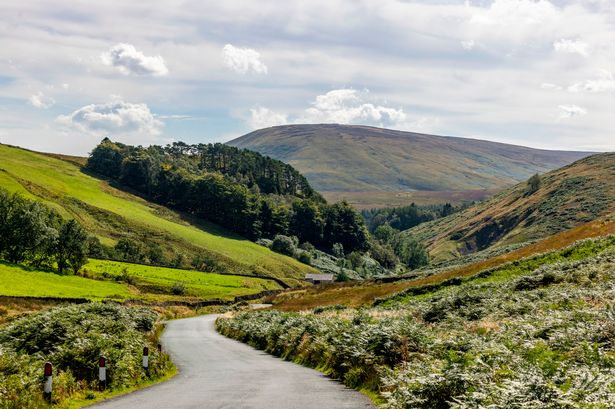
(218, 372)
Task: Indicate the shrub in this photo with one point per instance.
(284, 245)
(338, 250)
(305, 258)
(179, 288)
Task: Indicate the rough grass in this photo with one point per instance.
(111, 214)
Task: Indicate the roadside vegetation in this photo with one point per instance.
(538, 332)
(73, 338)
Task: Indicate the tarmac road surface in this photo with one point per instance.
(218, 372)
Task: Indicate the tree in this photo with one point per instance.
(385, 233)
(283, 245)
(533, 183)
(28, 230)
(411, 252)
(155, 255)
(306, 222)
(384, 255)
(71, 247)
(344, 225)
(128, 250)
(106, 159)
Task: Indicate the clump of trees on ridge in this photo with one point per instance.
(241, 190)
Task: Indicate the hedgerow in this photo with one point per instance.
(542, 338)
(72, 338)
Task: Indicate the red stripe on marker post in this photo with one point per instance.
(102, 371)
(146, 358)
(47, 387)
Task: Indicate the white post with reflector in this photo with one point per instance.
(146, 359)
(102, 371)
(47, 387)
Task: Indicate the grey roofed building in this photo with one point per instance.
(319, 278)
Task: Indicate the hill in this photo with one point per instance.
(566, 197)
(112, 214)
(345, 158)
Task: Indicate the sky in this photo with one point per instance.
(530, 72)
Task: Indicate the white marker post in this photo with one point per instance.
(102, 372)
(146, 359)
(48, 382)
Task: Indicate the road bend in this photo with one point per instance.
(218, 372)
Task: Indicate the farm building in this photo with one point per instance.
(319, 278)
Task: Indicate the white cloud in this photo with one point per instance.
(349, 106)
(243, 60)
(603, 83)
(128, 60)
(344, 106)
(468, 45)
(571, 111)
(571, 47)
(41, 101)
(116, 117)
(514, 13)
(549, 86)
(264, 118)
(175, 117)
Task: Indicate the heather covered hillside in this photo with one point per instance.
(533, 209)
(346, 158)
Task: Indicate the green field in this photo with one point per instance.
(20, 281)
(122, 281)
(160, 280)
(111, 214)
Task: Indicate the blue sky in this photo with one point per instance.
(537, 73)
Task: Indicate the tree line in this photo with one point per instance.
(34, 234)
(243, 191)
(406, 217)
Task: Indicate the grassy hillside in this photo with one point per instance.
(111, 214)
(343, 158)
(567, 197)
